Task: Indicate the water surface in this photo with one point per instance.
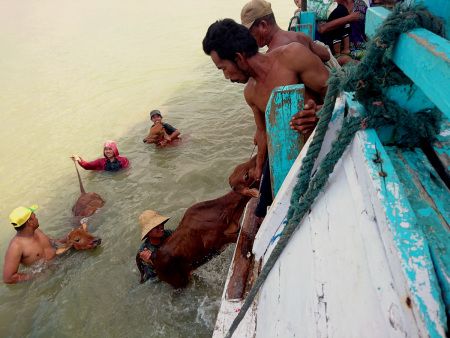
(75, 74)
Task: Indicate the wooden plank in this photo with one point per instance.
(374, 18)
(429, 197)
(308, 19)
(413, 250)
(274, 221)
(243, 256)
(284, 144)
(327, 282)
(424, 57)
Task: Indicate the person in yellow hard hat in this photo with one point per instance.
(29, 245)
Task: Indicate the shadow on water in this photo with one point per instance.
(96, 293)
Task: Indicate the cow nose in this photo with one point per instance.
(145, 141)
(97, 240)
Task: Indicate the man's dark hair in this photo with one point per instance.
(22, 226)
(227, 38)
(269, 18)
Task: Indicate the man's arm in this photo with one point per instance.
(320, 51)
(12, 262)
(314, 76)
(310, 70)
(335, 24)
(260, 135)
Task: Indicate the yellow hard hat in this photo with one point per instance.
(20, 215)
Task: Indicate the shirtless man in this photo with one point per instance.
(29, 245)
(258, 17)
(234, 51)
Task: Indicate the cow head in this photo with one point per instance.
(79, 239)
(242, 180)
(156, 134)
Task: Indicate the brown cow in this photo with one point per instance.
(157, 134)
(205, 230)
(79, 239)
(87, 203)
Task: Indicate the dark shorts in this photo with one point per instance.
(342, 32)
(265, 198)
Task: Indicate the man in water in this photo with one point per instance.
(29, 245)
(235, 51)
(154, 234)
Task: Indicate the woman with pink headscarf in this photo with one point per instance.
(110, 162)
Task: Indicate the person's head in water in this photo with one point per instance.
(229, 44)
(155, 116)
(110, 150)
(20, 216)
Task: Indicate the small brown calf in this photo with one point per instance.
(79, 239)
(157, 134)
(87, 203)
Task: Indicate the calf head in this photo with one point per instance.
(242, 179)
(79, 239)
(156, 134)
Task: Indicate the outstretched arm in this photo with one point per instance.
(12, 262)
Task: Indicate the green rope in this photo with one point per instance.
(367, 79)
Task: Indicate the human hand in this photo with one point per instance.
(306, 120)
(354, 16)
(145, 255)
(76, 158)
(162, 144)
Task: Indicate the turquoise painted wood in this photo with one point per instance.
(424, 57)
(283, 143)
(414, 250)
(308, 19)
(429, 198)
(305, 22)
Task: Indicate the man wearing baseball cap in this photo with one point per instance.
(29, 245)
(258, 17)
(154, 234)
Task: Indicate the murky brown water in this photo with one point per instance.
(74, 74)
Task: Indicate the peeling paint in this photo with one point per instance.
(429, 46)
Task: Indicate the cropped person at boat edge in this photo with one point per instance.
(235, 51)
(110, 162)
(28, 246)
(258, 17)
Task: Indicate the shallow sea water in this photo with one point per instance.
(75, 74)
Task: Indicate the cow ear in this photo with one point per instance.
(250, 192)
(63, 248)
(84, 226)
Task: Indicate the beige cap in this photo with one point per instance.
(149, 220)
(254, 10)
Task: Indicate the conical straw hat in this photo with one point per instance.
(149, 220)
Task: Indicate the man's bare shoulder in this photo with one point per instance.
(249, 90)
(299, 37)
(293, 50)
(16, 245)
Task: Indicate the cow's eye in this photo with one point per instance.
(246, 177)
(77, 240)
